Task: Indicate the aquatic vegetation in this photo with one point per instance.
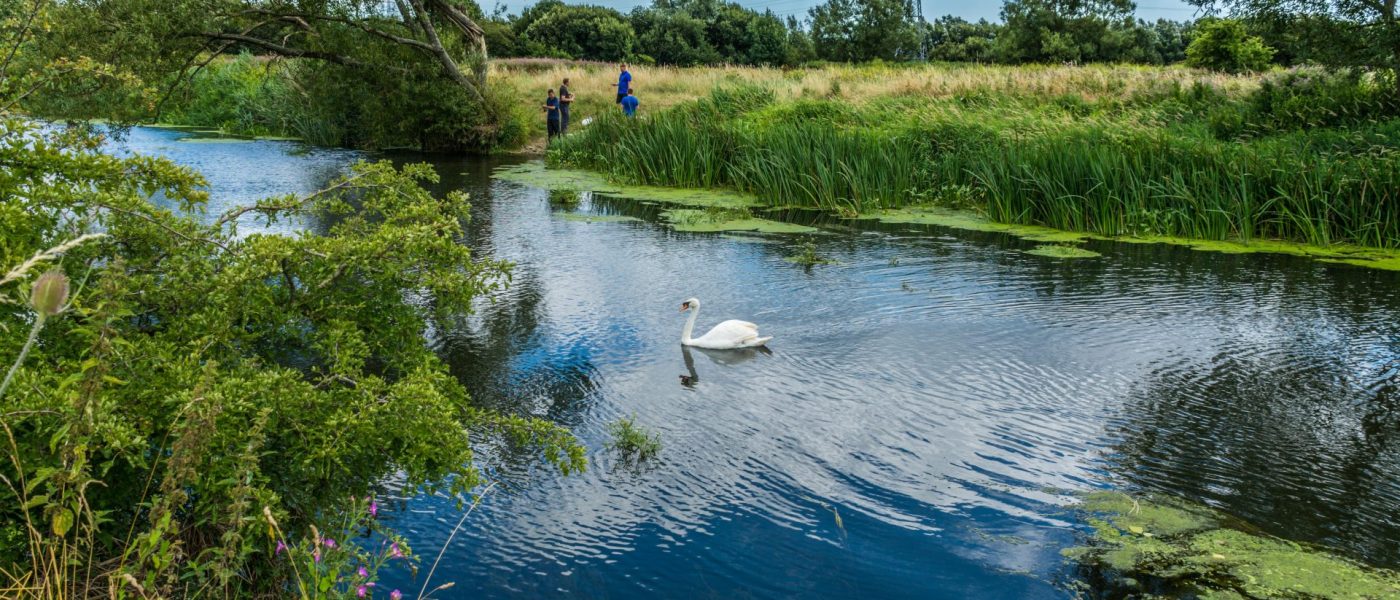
(708, 220)
(632, 441)
(564, 196)
(1062, 251)
(807, 255)
(1170, 547)
(1143, 165)
(537, 174)
(587, 218)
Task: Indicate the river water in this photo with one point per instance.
(931, 402)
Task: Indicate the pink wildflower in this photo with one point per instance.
(361, 591)
(280, 547)
(395, 551)
(330, 543)
(362, 572)
(395, 595)
(373, 508)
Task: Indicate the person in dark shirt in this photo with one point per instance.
(629, 104)
(551, 112)
(624, 83)
(565, 99)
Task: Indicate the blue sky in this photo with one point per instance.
(968, 9)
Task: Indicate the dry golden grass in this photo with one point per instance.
(665, 86)
(660, 87)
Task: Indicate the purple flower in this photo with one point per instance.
(316, 556)
(361, 591)
(330, 543)
(362, 572)
(373, 508)
(395, 595)
(394, 550)
(280, 547)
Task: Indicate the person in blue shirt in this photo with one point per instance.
(624, 83)
(551, 112)
(629, 104)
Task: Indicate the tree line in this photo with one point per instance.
(700, 32)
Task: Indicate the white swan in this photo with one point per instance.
(725, 336)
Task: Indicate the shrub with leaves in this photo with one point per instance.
(1225, 45)
(197, 377)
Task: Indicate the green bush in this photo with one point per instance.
(1225, 45)
(205, 394)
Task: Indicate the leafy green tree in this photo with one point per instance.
(1225, 45)
(954, 39)
(768, 41)
(1362, 33)
(396, 61)
(1064, 30)
(860, 30)
(673, 37)
(185, 398)
(799, 44)
(588, 32)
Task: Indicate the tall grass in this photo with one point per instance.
(1145, 164)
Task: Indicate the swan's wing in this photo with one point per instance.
(729, 334)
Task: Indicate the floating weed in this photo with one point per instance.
(632, 442)
(1183, 549)
(565, 196)
(584, 218)
(709, 220)
(807, 255)
(1062, 251)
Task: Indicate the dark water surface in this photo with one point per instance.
(940, 391)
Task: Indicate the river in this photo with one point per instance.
(931, 402)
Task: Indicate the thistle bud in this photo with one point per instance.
(50, 293)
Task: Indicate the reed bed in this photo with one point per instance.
(1143, 161)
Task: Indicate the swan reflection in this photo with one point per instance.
(720, 357)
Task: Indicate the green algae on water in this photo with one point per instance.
(1062, 251)
(1187, 549)
(711, 220)
(586, 218)
(538, 175)
(1375, 258)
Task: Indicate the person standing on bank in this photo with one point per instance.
(629, 104)
(551, 112)
(565, 99)
(624, 83)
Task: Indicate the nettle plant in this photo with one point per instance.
(182, 398)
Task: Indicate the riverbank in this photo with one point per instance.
(1300, 156)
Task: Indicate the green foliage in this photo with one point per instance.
(863, 30)
(1337, 33)
(633, 442)
(1065, 30)
(205, 382)
(1224, 45)
(579, 31)
(807, 255)
(1154, 165)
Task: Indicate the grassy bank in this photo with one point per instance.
(1303, 156)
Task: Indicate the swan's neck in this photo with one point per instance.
(689, 325)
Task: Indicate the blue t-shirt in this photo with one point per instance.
(629, 106)
(624, 81)
(553, 104)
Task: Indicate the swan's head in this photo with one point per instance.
(689, 304)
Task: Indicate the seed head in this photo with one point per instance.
(50, 293)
